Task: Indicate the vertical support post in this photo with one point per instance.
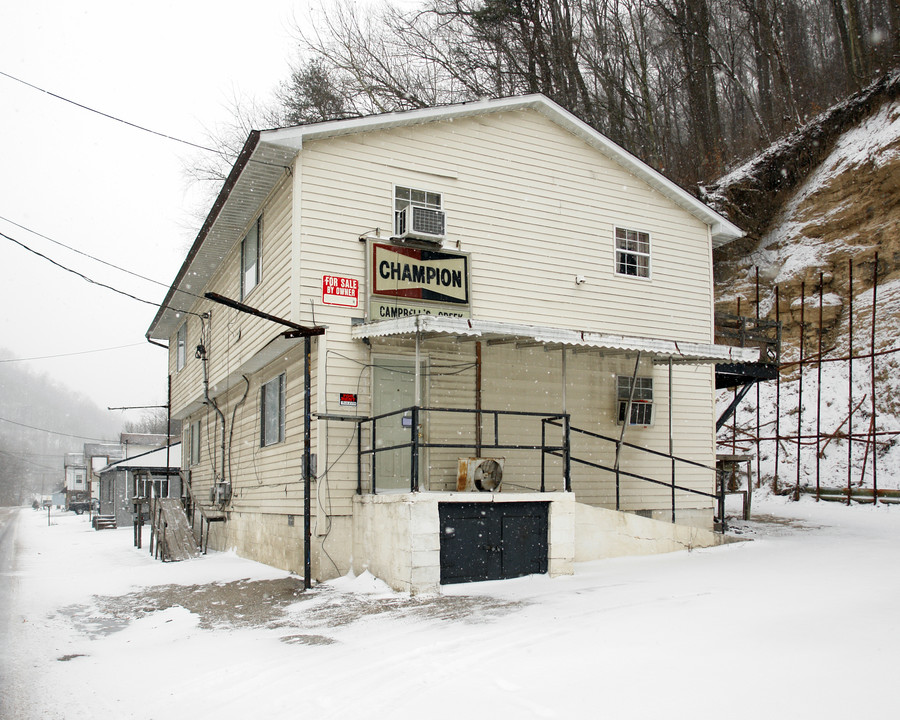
(478, 388)
(850, 383)
(819, 387)
(872, 383)
(414, 454)
(359, 458)
(800, 388)
(169, 429)
(777, 398)
(567, 453)
(625, 421)
(672, 441)
(734, 416)
(307, 461)
(758, 453)
(373, 445)
(543, 453)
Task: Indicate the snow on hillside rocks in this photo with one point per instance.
(847, 209)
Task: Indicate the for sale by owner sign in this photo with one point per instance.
(341, 291)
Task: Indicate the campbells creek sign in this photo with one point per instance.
(414, 281)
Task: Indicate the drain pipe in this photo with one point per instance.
(201, 353)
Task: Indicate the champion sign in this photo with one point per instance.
(413, 273)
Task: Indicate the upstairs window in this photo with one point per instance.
(641, 401)
(250, 254)
(180, 347)
(405, 197)
(632, 253)
(271, 412)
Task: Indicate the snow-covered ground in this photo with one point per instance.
(800, 622)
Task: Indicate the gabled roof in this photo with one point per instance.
(267, 156)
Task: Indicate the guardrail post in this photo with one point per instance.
(543, 452)
(567, 455)
(414, 473)
(374, 445)
(359, 458)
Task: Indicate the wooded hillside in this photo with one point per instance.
(689, 86)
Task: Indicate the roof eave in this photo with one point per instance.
(227, 187)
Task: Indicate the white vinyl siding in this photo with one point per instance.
(534, 207)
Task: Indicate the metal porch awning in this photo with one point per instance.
(425, 326)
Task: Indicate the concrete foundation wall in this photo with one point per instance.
(602, 533)
(396, 537)
(265, 538)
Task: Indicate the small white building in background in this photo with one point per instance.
(487, 281)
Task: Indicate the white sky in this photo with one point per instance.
(110, 190)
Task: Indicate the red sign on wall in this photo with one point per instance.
(340, 291)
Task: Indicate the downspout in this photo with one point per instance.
(201, 353)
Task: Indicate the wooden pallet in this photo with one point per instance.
(174, 539)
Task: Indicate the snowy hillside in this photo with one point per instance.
(845, 211)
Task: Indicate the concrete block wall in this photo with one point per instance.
(396, 537)
(602, 533)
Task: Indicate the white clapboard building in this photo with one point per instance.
(449, 344)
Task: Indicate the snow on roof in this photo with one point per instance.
(489, 329)
(150, 460)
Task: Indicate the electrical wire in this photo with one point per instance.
(81, 252)
(71, 354)
(26, 460)
(221, 153)
(53, 432)
(107, 115)
(88, 279)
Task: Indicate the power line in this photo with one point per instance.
(71, 354)
(80, 252)
(53, 432)
(220, 153)
(108, 116)
(24, 459)
(90, 280)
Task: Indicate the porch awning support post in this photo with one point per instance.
(625, 421)
(671, 440)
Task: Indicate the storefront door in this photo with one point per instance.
(394, 384)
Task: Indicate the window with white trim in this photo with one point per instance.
(271, 412)
(641, 400)
(632, 253)
(250, 256)
(180, 347)
(405, 197)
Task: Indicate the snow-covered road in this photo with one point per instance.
(801, 622)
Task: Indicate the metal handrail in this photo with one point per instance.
(719, 496)
(415, 444)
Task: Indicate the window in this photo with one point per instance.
(180, 347)
(250, 253)
(641, 401)
(194, 437)
(271, 411)
(405, 197)
(632, 253)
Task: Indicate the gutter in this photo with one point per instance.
(240, 164)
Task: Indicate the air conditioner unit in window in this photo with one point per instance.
(420, 223)
(479, 474)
